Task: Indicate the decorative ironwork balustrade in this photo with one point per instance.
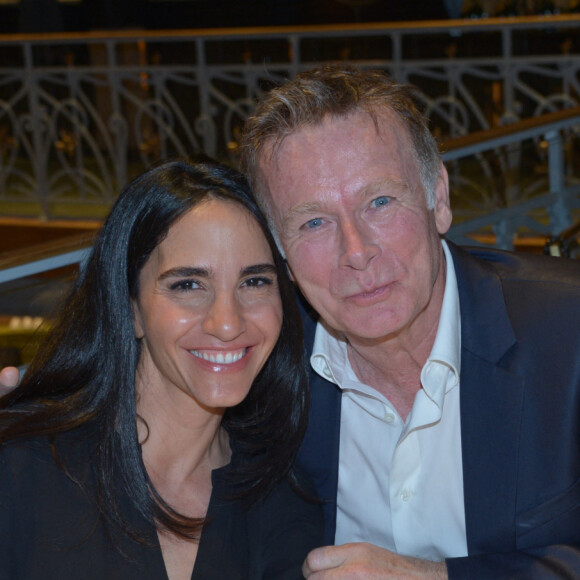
(522, 187)
(82, 114)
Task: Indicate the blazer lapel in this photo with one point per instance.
(491, 406)
(319, 453)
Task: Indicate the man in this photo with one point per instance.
(444, 436)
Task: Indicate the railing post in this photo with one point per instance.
(295, 54)
(397, 56)
(509, 112)
(559, 211)
(117, 124)
(504, 234)
(38, 127)
(204, 124)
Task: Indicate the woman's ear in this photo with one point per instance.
(137, 320)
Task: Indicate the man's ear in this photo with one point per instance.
(442, 208)
(137, 320)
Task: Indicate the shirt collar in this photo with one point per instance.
(329, 355)
(441, 371)
(330, 360)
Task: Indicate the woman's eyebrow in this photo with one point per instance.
(185, 272)
(254, 269)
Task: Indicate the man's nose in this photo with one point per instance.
(225, 319)
(357, 247)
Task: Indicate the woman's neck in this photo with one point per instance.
(181, 441)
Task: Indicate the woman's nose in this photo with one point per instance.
(225, 318)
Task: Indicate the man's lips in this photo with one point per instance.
(219, 356)
(369, 296)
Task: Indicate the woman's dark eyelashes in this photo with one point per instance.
(184, 285)
(257, 281)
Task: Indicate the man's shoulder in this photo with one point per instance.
(519, 266)
(530, 295)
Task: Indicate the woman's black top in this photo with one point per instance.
(51, 529)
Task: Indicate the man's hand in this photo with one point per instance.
(367, 562)
(9, 377)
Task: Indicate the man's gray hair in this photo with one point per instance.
(332, 90)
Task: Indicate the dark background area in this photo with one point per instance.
(50, 15)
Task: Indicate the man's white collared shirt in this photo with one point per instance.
(400, 485)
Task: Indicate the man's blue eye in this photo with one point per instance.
(314, 223)
(380, 201)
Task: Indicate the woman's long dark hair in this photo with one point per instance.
(84, 372)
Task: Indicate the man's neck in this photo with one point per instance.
(392, 369)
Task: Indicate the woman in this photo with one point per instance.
(154, 433)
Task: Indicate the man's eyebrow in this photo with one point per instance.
(185, 272)
(299, 211)
(382, 186)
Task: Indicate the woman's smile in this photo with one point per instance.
(220, 357)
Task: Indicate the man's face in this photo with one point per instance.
(352, 217)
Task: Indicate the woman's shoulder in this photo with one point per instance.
(44, 480)
(21, 454)
(32, 459)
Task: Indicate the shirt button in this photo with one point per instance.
(327, 372)
(389, 417)
(405, 495)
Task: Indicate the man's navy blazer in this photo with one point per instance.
(520, 417)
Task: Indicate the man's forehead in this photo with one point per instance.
(385, 122)
(308, 144)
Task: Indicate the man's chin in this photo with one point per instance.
(368, 329)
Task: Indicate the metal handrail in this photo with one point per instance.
(451, 26)
(480, 141)
(40, 258)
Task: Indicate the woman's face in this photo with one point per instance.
(209, 311)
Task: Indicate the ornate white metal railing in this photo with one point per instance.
(81, 114)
